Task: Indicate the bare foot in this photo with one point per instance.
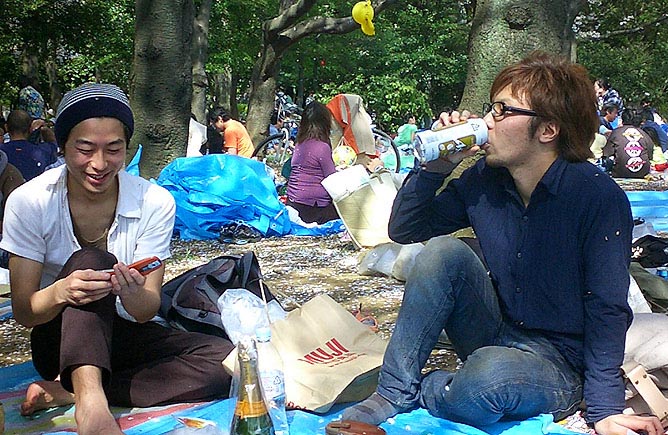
(45, 394)
(94, 418)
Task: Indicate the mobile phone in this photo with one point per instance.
(145, 266)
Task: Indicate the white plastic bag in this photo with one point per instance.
(242, 313)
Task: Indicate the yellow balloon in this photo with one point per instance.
(368, 28)
(363, 14)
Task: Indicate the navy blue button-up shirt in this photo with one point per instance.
(559, 265)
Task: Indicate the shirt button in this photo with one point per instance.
(518, 290)
(519, 255)
(525, 218)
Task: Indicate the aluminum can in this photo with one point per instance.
(433, 144)
(662, 272)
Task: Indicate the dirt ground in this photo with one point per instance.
(295, 269)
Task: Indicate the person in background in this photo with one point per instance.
(30, 159)
(648, 123)
(235, 136)
(629, 148)
(10, 179)
(214, 138)
(71, 233)
(606, 96)
(276, 123)
(406, 133)
(646, 104)
(607, 118)
(539, 320)
(311, 163)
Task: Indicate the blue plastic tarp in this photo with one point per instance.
(652, 206)
(217, 189)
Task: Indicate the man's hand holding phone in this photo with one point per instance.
(128, 279)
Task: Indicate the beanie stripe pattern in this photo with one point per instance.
(92, 100)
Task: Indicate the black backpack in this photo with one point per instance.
(188, 302)
(650, 251)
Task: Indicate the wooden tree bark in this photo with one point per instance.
(278, 35)
(161, 83)
(505, 31)
(200, 54)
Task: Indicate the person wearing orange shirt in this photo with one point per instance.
(236, 138)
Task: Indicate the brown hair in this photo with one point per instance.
(316, 123)
(559, 91)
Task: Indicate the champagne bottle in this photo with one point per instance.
(250, 415)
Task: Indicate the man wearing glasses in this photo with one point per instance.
(543, 326)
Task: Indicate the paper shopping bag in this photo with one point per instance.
(328, 356)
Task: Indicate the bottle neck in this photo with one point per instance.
(250, 403)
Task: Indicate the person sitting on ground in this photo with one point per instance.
(214, 138)
(606, 96)
(648, 123)
(28, 158)
(10, 179)
(406, 133)
(629, 148)
(71, 233)
(311, 163)
(544, 325)
(607, 118)
(235, 136)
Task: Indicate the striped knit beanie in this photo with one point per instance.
(92, 100)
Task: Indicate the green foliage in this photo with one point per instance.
(627, 43)
(421, 46)
(390, 97)
(87, 40)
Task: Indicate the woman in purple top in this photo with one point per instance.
(311, 163)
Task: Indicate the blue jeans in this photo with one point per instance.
(507, 372)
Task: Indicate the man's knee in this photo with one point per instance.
(88, 258)
(444, 253)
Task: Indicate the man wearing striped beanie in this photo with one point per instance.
(71, 233)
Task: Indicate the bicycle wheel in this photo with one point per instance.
(387, 142)
(271, 148)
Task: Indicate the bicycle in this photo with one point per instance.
(277, 148)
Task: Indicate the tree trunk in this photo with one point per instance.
(221, 85)
(200, 54)
(55, 90)
(30, 66)
(261, 100)
(279, 34)
(161, 85)
(505, 31)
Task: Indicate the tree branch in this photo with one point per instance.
(328, 25)
(288, 17)
(632, 31)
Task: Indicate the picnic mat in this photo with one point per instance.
(165, 419)
(652, 206)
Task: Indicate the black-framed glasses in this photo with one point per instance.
(499, 109)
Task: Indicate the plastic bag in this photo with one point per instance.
(242, 313)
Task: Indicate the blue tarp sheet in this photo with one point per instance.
(417, 422)
(214, 190)
(651, 206)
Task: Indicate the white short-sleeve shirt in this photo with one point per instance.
(37, 223)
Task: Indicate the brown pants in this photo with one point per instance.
(143, 364)
(312, 213)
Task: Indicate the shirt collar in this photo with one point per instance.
(552, 177)
(129, 202)
(550, 180)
